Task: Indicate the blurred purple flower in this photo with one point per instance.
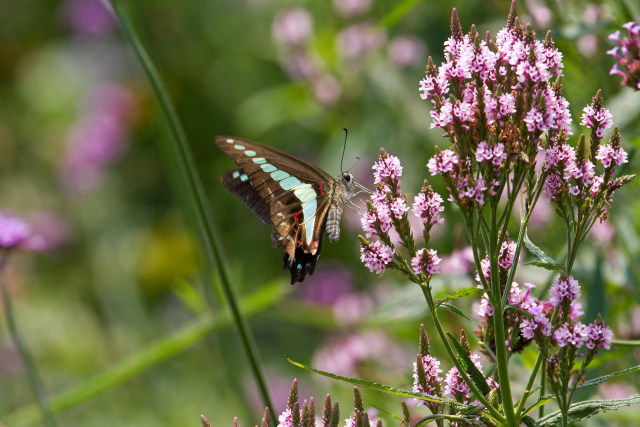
(352, 307)
(100, 136)
(459, 262)
(327, 286)
(359, 39)
(588, 44)
(299, 66)
(348, 8)
(405, 51)
(13, 231)
(602, 232)
(539, 12)
(326, 89)
(343, 356)
(292, 27)
(89, 17)
(50, 230)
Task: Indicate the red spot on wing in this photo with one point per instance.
(320, 188)
(296, 216)
(314, 245)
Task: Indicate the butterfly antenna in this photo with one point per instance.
(354, 165)
(346, 132)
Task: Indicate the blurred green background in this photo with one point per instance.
(120, 275)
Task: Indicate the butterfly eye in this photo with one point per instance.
(346, 176)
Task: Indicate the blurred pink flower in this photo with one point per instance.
(99, 138)
(611, 390)
(602, 232)
(326, 89)
(89, 17)
(348, 8)
(358, 40)
(51, 230)
(588, 44)
(460, 262)
(14, 231)
(327, 286)
(344, 356)
(405, 51)
(539, 12)
(292, 27)
(352, 307)
(299, 66)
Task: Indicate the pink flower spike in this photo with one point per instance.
(376, 256)
(426, 261)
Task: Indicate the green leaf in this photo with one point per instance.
(381, 387)
(543, 260)
(462, 293)
(528, 421)
(455, 309)
(581, 410)
(548, 398)
(605, 378)
(476, 376)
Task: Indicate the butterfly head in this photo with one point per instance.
(348, 182)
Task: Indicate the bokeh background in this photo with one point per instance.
(117, 275)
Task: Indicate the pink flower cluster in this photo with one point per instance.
(628, 55)
(427, 206)
(426, 262)
(376, 256)
(432, 372)
(572, 173)
(387, 210)
(564, 290)
(598, 120)
(511, 64)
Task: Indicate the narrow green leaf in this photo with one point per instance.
(605, 378)
(187, 183)
(398, 12)
(548, 398)
(581, 410)
(391, 414)
(381, 387)
(543, 260)
(461, 293)
(476, 376)
(528, 421)
(455, 309)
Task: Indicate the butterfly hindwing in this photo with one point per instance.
(283, 191)
(238, 184)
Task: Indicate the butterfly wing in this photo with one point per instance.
(284, 191)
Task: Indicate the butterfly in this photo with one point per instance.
(299, 200)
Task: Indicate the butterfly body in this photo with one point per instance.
(299, 200)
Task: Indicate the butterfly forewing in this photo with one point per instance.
(283, 191)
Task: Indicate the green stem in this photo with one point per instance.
(498, 321)
(32, 373)
(197, 204)
(474, 389)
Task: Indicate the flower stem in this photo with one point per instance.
(498, 320)
(32, 373)
(474, 389)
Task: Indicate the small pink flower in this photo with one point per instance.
(376, 256)
(564, 289)
(426, 261)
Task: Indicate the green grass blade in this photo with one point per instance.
(147, 358)
(195, 204)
